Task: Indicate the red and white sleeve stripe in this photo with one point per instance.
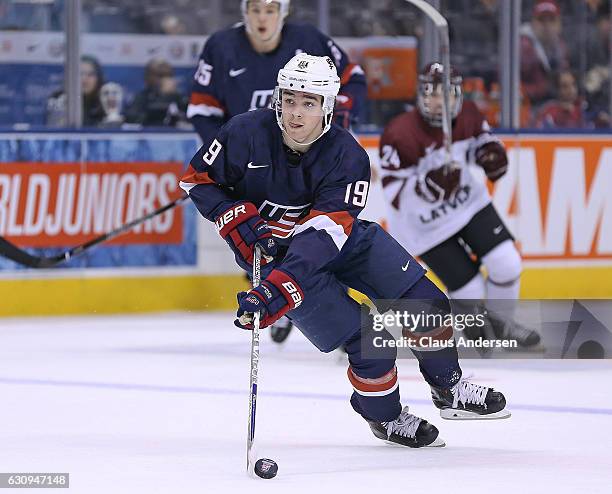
(193, 178)
(204, 105)
(349, 71)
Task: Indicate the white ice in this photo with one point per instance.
(158, 404)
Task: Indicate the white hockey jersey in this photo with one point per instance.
(409, 148)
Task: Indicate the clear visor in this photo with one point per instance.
(431, 100)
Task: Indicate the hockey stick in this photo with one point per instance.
(20, 256)
(251, 457)
(442, 27)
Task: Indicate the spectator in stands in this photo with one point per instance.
(543, 51)
(92, 80)
(568, 110)
(160, 102)
(597, 77)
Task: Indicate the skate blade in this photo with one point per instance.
(452, 414)
(438, 443)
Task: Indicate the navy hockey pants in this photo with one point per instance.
(379, 267)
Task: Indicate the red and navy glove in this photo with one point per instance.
(343, 111)
(493, 159)
(273, 298)
(439, 184)
(242, 228)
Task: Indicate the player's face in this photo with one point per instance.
(434, 101)
(302, 115)
(263, 19)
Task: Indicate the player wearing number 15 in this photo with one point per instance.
(238, 66)
(290, 181)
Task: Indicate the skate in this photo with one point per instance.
(508, 329)
(407, 430)
(279, 331)
(469, 401)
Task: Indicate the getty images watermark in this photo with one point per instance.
(548, 329)
(426, 331)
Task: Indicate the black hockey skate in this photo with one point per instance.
(508, 329)
(466, 400)
(279, 331)
(407, 430)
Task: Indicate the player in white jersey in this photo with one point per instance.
(442, 211)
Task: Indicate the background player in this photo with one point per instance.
(289, 181)
(443, 213)
(238, 66)
(237, 73)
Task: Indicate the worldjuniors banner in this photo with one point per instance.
(59, 191)
(64, 204)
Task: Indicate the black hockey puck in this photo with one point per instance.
(266, 469)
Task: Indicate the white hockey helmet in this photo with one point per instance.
(284, 12)
(308, 74)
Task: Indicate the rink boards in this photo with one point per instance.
(58, 190)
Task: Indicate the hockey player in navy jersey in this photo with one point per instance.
(238, 66)
(290, 181)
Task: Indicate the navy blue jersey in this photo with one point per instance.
(233, 78)
(310, 206)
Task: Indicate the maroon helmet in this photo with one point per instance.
(430, 86)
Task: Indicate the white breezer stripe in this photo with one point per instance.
(186, 186)
(323, 222)
(204, 110)
(356, 70)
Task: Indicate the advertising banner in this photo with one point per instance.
(58, 191)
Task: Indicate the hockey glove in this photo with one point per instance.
(493, 159)
(439, 184)
(242, 228)
(343, 111)
(277, 295)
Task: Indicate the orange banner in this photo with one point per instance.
(62, 205)
(556, 197)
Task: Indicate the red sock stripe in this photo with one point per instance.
(374, 387)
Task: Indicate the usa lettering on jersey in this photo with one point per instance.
(282, 219)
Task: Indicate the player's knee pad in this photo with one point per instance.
(503, 264)
(475, 289)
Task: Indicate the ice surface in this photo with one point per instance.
(159, 404)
